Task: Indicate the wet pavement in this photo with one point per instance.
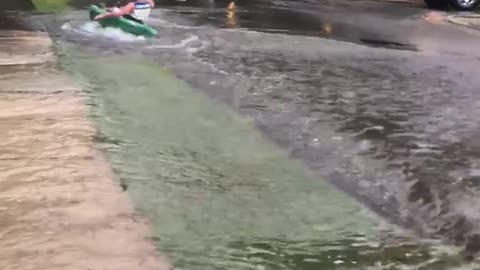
(377, 99)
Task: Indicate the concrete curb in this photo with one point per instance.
(471, 20)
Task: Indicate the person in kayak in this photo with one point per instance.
(135, 10)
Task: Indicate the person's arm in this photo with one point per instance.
(152, 3)
(123, 11)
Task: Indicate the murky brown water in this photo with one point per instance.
(59, 207)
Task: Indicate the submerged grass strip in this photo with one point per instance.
(51, 5)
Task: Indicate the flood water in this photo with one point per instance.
(219, 195)
(259, 137)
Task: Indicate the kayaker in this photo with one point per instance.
(135, 10)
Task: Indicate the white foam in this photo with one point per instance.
(66, 27)
(95, 29)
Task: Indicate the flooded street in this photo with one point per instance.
(286, 135)
(218, 194)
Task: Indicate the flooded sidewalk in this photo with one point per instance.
(60, 207)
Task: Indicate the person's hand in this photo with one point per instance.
(98, 17)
